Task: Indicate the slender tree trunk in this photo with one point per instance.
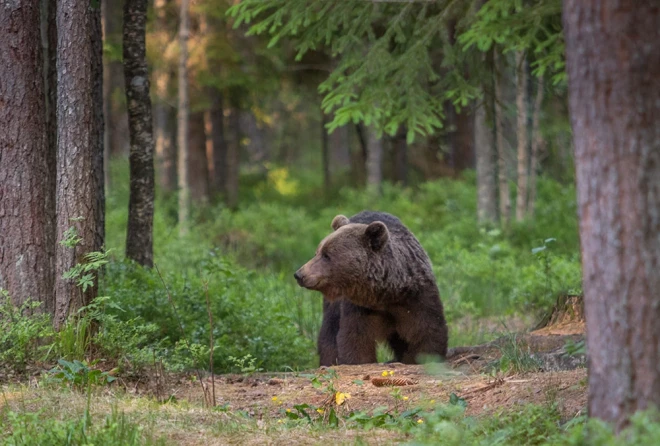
(217, 118)
(523, 159)
(537, 143)
(486, 182)
(401, 158)
(325, 153)
(340, 150)
(139, 234)
(164, 111)
(182, 122)
(80, 195)
(613, 61)
(114, 111)
(26, 211)
(107, 94)
(502, 174)
(374, 161)
(233, 157)
(198, 171)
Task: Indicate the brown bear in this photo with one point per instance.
(377, 285)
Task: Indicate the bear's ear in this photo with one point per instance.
(377, 235)
(339, 221)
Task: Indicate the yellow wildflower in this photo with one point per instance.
(420, 421)
(340, 397)
(320, 411)
(405, 398)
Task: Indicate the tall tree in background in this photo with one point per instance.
(537, 146)
(485, 154)
(182, 121)
(613, 60)
(521, 132)
(139, 233)
(232, 163)
(374, 160)
(80, 194)
(27, 235)
(502, 150)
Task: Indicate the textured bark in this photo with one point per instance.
(26, 211)
(502, 174)
(182, 121)
(164, 112)
(198, 174)
(233, 157)
(374, 160)
(486, 182)
(521, 133)
(613, 61)
(80, 195)
(139, 233)
(107, 95)
(219, 142)
(537, 145)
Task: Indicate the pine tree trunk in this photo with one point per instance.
(26, 175)
(486, 182)
(401, 158)
(198, 165)
(325, 153)
(182, 122)
(502, 155)
(217, 118)
(139, 234)
(521, 132)
(107, 94)
(164, 112)
(537, 144)
(613, 61)
(374, 161)
(80, 195)
(233, 157)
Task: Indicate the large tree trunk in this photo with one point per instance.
(523, 159)
(182, 122)
(198, 166)
(26, 173)
(613, 61)
(80, 195)
(502, 155)
(374, 160)
(486, 183)
(139, 234)
(164, 112)
(537, 144)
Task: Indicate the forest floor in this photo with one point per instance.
(258, 408)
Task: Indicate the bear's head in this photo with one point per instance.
(342, 262)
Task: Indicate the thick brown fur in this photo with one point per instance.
(377, 285)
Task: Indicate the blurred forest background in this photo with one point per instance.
(279, 115)
(452, 116)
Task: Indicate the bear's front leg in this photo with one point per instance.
(358, 330)
(327, 341)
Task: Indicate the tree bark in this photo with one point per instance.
(198, 166)
(502, 174)
(374, 161)
(400, 158)
(80, 194)
(325, 153)
(217, 118)
(523, 159)
(164, 112)
(486, 182)
(139, 233)
(182, 121)
(26, 174)
(613, 61)
(537, 144)
(233, 157)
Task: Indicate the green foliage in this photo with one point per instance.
(23, 334)
(79, 375)
(27, 429)
(515, 357)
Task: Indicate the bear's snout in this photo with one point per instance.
(299, 277)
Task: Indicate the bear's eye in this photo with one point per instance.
(325, 255)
